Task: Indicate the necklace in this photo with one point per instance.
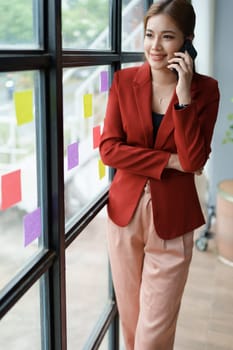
(162, 99)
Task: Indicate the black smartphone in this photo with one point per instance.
(188, 46)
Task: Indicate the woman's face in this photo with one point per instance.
(162, 39)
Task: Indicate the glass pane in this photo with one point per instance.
(20, 327)
(132, 64)
(85, 24)
(106, 343)
(132, 25)
(87, 281)
(19, 25)
(85, 98)
(19, 214)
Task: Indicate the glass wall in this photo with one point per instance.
(57, 60)
(15, 31)
(85, 92)
(20, 213)
(132, 25)
(86, 24)
(21, 327)
(86, 282)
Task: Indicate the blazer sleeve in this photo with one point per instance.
(194, 127)
(114, 150)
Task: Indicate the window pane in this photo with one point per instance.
(85, 98)
(19, 25)
(20, 327)
(85, 24)
(87, 281)
(19, 212)
(132, 64)
(132, 25)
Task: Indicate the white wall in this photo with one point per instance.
(214, 43)
(223, 71)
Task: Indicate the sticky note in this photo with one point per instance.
(96, 136)
(87, 105)
(103, 81)
(23, 106)
(72, 155)
(11, 189)
(32, 226)
(102, 170)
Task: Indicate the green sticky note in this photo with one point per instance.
(87, 105)
(23, 106)
(102, 169)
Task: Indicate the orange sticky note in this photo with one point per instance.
(23, 106)
(87, 105)
(102, 169)
(11, 189)
(96, 136)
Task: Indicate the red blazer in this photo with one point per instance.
(127, 145)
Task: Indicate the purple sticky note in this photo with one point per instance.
(103, 81)
(32, 226)
(72, 155)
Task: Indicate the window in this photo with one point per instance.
(85, 92)
(86, 24)
(20, 24)
(18, 170)
(132, 25)
(57, 60)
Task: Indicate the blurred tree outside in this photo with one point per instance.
(16, 25)
(83, 21)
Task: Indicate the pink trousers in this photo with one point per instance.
(149, 276)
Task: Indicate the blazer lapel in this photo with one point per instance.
(143, 96)
(143, 93)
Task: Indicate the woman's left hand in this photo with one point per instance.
(183, 64)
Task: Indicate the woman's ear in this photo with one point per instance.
(190, 37)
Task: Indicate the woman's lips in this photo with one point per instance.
(158, 57)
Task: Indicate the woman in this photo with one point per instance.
(157, 133)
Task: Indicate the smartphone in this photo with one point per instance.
(188, 46)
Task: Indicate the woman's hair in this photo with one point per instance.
(181, 11)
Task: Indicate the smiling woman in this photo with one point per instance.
(153, 206)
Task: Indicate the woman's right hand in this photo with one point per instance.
(174, 163)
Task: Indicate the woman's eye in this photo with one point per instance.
(148, 35)
(168, 37)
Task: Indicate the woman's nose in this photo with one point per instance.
(156, 43)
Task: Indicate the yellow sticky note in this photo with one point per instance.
(87, 104)
(102, 169)
(23, 106)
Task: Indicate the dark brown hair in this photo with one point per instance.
(181, 11)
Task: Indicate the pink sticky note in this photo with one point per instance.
(96, 136)
(103, 81)
(32, 226)
(11, 189)
(72, 155)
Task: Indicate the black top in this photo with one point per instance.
(156, 120)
